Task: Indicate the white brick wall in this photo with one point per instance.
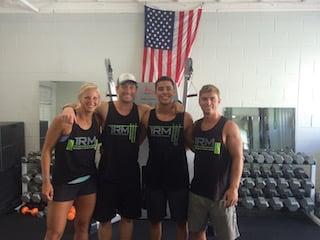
(257, 59)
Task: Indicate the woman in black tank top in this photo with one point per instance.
(73, 172)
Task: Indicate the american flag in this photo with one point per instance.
(168, 39)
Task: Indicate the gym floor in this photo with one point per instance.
(281, 226)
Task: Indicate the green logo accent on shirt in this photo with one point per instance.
(129, 130)
(217, 148)
(82, 143)
(70, 145)
(172, 132)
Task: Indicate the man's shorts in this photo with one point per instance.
(203, 211)
(121, 198)
(156, 202)
(69, 192)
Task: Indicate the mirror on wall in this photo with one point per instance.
(53, 95)
(264, 128)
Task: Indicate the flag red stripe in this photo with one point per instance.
(197, 25)
(179, 44)
(169, 62)
(189, 33)
(160, 63)
(151, 65)
(144, 63)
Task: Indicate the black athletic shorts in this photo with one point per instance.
(121, 198)
(156, 202)
(69, 192)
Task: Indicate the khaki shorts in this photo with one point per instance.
(203, 211)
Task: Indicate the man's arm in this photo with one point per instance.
(68, 114)
(234, 145)
(144, 111)
(102, 112)
(188, 127)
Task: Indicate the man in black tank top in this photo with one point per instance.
(217, 171)
(166, 176)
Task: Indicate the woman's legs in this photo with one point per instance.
(84, 208)
(56, 219)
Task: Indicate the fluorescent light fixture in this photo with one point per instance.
(25, 2)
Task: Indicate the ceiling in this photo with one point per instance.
(132, 6)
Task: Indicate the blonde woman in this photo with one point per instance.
(73, 172)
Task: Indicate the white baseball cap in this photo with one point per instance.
(126, 77)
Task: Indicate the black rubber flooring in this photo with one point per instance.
(268, 227)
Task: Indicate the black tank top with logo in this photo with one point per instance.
(212, 162)
(75, 154)
(167, 166)
(120, 141)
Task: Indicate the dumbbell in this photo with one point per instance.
(286, 158)
(25, 210)
(249, 182)
(259, 158)
(307, 184)
(285, 193)
(71, 214)
(256, 192)
(29, 175)
(244, 192)
(288, 173)
(300, 173)
(282, 183)
(276, 203)
(276, 171)
(308, 193)
(299, 193)
(271, 183)
(307, 204)
(294, 183)
(26, 197)
(246, 172)
(269, 193)
(268, 158)
(309, 160)
(260, 182)
(36, 197)
(33, 187)
(255, 171)
(38, 178)
(25, 178)
(261, 203)
(278, 158)
(248, 158)
(248, 202)
(298, 158)
(292, 204)
(265, 172)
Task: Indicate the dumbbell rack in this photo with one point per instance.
(250, 180)
(29, 163)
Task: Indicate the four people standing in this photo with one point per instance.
(218, 163)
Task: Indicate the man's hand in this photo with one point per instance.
(179, 107)
(231, 197)
(68, 115)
